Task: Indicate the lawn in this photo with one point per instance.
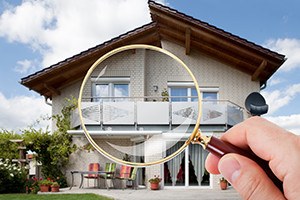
(52, 197)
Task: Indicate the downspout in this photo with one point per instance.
(263, 86)
(48, 103)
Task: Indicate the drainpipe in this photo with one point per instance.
(263, 86)
(46, 101)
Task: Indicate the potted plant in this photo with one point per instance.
(45, 185)
(55, 187)
(165, 95)
(154, 182)
(223, 183)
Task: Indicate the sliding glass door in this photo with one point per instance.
(187, 169)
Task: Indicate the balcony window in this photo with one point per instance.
(178, 94)
(110, 89)
(181, 92)
(209, 95)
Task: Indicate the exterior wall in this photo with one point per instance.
(125, 64)
(233, 84)
(66, 93)
(161, 69)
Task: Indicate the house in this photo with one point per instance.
(229, 68)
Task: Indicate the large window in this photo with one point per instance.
(110, 89)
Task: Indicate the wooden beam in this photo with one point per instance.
(187, 41)
(259, 70)
(52, 89)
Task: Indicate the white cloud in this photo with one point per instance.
(280, 98)
(21, 111)
(275, 81)
(27, 66)
(289, 47)
(291, 123)
(59, 29)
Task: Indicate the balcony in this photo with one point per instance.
(146, 111)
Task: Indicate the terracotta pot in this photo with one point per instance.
(154, 186)
(55, 189)
(44, 188)
(223, 185)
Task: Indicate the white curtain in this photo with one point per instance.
(174, 164)
(198, 156)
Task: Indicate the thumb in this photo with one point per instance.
(248, 178)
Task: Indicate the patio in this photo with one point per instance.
(145, 194)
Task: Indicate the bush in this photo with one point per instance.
(12, 177)
(32, 186)
(53, 150)
(9, 150)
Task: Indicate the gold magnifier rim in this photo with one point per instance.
(87, 77)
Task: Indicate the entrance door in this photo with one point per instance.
(187, 169)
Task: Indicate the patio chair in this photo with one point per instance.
(128, 173)
(93, 167)
(132, 178)
(109, 167)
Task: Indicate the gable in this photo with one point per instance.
(170, 25)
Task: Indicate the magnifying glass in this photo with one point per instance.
(140, 105)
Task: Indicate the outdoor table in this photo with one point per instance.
(82, 173)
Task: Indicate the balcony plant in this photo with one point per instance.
(223, 183)
(165, 95)
(154, 182)
(55, 187)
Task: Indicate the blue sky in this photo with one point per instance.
(36, 34)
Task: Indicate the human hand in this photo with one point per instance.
(271, 143)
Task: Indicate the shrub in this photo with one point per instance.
(12, 177)
(32, 186)
(53, 150)
(9, 150)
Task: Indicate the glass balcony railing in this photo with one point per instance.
(151, 111)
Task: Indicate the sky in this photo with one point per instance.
(35, 34)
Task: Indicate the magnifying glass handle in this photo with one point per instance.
(219, 148)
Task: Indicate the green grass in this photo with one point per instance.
(52, 197)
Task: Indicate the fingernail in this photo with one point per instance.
(230, 168)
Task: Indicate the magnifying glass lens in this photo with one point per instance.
(139, 104)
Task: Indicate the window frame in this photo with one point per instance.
(189, 86)
(111, 82)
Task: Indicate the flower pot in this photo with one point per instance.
(44, 188)
(223, 185)
(54, 188)
(154, 186)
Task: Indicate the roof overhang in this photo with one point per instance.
(168, 24)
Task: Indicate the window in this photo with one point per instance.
(182, 91)
(186, 91)
(179, 93)
(110, 89)
(209, 95)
